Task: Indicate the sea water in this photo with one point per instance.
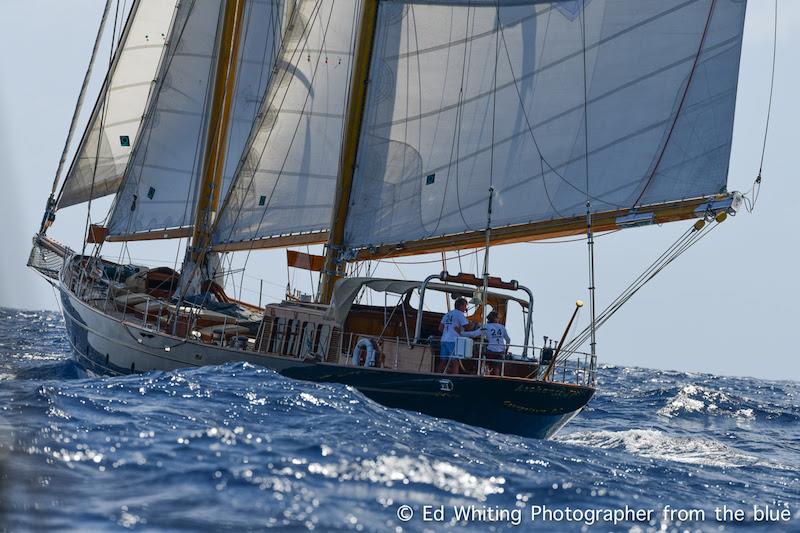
(240, 448)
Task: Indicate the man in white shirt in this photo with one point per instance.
(451, 327)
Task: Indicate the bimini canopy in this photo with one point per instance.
(346, 290)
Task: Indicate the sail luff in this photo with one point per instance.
(214, 159)
(355, 113)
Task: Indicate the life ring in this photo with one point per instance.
(368, 345)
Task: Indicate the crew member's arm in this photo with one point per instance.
(473, 333)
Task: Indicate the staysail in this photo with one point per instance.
(158, 194)
(284, 185)
(105, 148)
(618, 105)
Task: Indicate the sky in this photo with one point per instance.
(727, 306)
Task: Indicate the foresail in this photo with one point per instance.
(260, 43)
(618, 103)
(159, 192)
(105, 148)
(285, 183)
(158, 186)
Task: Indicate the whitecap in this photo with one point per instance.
(697, 399)
(654, 444)
(404, 470)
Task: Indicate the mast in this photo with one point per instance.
(332, 269)
(219, 119)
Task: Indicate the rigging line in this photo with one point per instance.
(439, 117)
(589, 232)
(103, 116)
(420, 220)
(577, 239)
(673, 251)
(636, 285)
(455, 146)
(81, 95)
(682, 102)
(686, 241)
(750, 203)
(459, 255)
(467, 45)
(771, 86)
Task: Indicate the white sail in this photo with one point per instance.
(260, 43)
(287, 177)
(618, 103)
(105, 148)
(159, 188)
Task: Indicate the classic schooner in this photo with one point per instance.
(386, 128)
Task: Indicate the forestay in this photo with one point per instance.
(159, 189)
(621, 103)
(112, 129)
(287, 178)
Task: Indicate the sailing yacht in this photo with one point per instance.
(383, 129)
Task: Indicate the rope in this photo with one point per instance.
(688, 239)
(589, 232)
(681, 104)
(751, 197)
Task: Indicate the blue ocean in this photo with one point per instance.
(240, 448)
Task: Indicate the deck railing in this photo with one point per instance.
(338, 346)
(569, 367)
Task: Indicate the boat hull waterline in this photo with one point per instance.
(104, 345)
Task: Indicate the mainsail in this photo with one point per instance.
(559, 106)
(159, 190)
(285, 182)
(105, 148)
